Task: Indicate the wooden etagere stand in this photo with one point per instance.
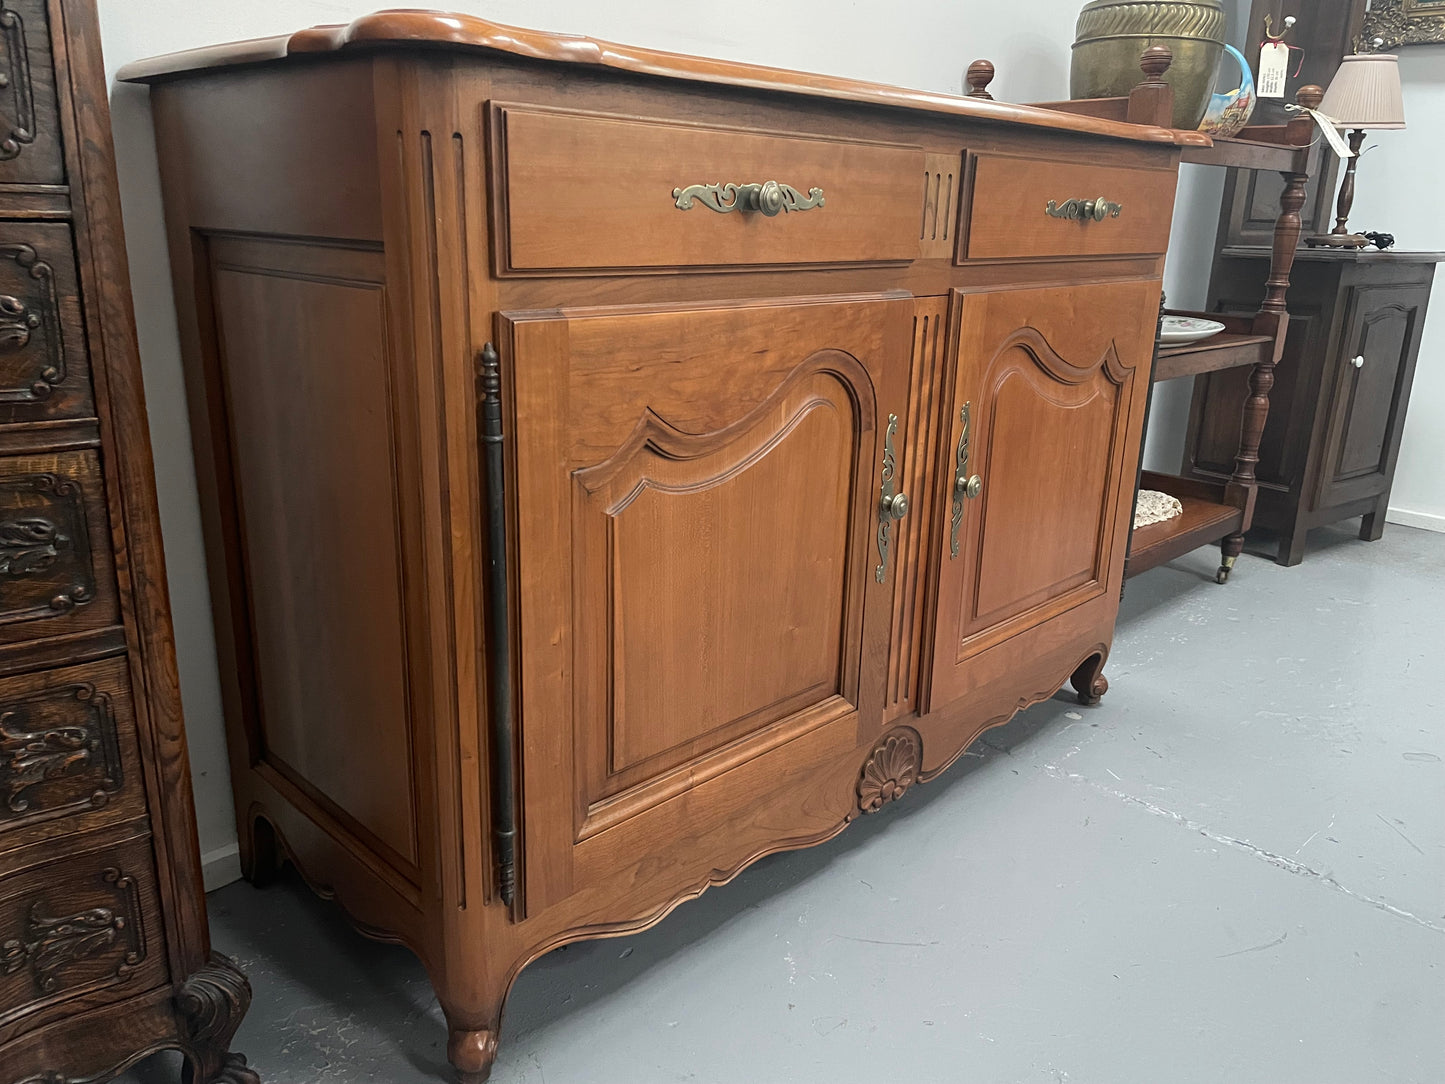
(1221, 511)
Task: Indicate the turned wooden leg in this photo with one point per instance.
(1089, 681)
(212, 1002)
(1229, 551)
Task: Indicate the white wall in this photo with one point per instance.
(918, 43)
(1397, 191)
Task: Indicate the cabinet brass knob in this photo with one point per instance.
(894, 507)
(769, 199)
(970, 487)
(1358, 361)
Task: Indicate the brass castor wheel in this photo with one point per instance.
(1225, 567)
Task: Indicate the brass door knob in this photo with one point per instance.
(970, 487)
(894, 507)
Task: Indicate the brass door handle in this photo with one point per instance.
(769, 199)
(965, 486)
(892, 506)
(1084, 210)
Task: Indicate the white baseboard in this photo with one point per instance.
(1427, 521)
(221, 866)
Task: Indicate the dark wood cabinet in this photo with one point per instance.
(104, 951)
(580, 449)
(1341, 394)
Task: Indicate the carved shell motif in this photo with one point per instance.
(890, 769)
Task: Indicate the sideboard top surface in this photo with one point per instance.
(434, 29)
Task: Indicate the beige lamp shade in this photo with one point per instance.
(1365, 93)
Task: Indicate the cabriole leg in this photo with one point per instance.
(1089, 681)
(212, 1002)
(472, 1032)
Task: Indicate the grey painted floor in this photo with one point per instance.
(1232, 870)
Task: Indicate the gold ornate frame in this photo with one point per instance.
(1405, 22)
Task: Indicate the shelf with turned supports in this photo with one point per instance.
(1221, 512)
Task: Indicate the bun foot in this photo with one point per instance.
(1089, 681)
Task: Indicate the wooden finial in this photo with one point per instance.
(1155, 62)
(1310, 96)
(979, 76)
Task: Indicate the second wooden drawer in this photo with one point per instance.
(1025, 207)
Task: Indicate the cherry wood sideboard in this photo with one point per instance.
(104, 950)
(618, 466)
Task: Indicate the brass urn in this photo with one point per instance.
(1112, 34)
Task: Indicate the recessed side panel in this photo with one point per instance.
(302, 354)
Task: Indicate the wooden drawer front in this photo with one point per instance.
(56, 573)
(589, 191)
(77, 931)
(29, 120)
(44, 372)
(67, 750)
(1008, 214)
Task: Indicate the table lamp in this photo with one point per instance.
(1364, 95)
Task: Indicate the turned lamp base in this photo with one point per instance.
(1338, 240)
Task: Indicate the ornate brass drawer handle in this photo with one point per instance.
(965, 486)
(892, 505)
(768, 198)
(1084, 209)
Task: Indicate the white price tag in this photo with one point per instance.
(1273, 67)
(1332, 134)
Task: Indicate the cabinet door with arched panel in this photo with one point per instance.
(1050, 385)
(704, 592)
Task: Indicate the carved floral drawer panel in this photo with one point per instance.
(29, 121)
(67, 751)
(56, 573)
(44, 370)
(77, 932)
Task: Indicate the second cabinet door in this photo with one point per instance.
(698, 566)
(1048, 398)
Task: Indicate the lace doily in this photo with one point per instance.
(1155, 507)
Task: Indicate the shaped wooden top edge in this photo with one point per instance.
(436, 28)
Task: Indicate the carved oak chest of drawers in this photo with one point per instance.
(619, 466)
(104, 952)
